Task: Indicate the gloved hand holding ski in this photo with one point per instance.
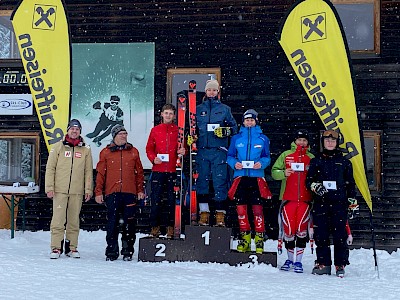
(222, 132)
(353, 207)
(318, 188)
(97, 105)
(191, 139)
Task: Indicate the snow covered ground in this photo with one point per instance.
(26, 272)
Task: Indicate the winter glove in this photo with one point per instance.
(191, 139)
(97, 105)
(353, 208)
(318, 188)
(222, 132)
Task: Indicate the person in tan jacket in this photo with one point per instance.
(69, 177)
(119, 183)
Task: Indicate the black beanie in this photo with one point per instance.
(301, 133)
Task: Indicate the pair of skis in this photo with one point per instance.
(181, 107)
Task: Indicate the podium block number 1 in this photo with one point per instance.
(206, 237)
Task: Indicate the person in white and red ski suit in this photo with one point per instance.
(291, 168)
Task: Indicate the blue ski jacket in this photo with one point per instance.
(249, 144)
(212, 111)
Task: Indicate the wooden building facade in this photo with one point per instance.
(239, 37)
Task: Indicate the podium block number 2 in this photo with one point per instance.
(206, 237)
(161, 250)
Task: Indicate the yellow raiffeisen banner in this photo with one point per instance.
(314, 44)
(42, 34)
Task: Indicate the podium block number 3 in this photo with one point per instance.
(161, 250)
(206, 237)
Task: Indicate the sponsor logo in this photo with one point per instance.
(15, 104)
(78, 154)
(44, 17)
(313, 27)
(67, 154)
(326, 108)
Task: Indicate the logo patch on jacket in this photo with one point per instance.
(203, 114)
(257, 146)
(78, 154)
(67, 154)
(240, 145)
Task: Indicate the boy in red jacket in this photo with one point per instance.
(162, 150)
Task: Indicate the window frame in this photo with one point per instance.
(376, 135)
(35, 136)
(376, 25)
(8, 13)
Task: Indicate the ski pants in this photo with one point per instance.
(66, 210)
(211, 165)
(121, 211)
(295, 217)
(160, 182)
(330, 219)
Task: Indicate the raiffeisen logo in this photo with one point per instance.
(313, 27)
(45, 99)
(325, 107)
(15, 104)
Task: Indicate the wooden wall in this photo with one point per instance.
(240, 38)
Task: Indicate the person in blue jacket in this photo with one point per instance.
(215, 124)
(248, 156)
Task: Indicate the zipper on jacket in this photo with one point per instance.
(120, 181)
(248, 148)
(72, 167)
(299, 174)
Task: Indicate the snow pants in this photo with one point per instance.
(211, 165)
(162, 181)
(121, 211)
(66, 210)
(330, 219)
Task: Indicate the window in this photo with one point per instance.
(19, 157)
(361, 23)
(372, 144)
(8, 44)
(178, 80)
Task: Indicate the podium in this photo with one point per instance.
(16, 190)
(203, 244)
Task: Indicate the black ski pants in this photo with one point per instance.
(121, 211)
(330, 219)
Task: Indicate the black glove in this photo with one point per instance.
(97, 105)
(222, 132)
(318, 188)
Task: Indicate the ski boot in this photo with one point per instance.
(220, 219)
(298, 267)
(259, 241)
(321, 269)
(340, 271)
(204, 218)
(155, 232)
(245, 242)
(287, 265)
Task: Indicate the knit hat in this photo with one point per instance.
(212, 84)
(117, 129)
(250, 113)
(74, 123)
(301, 133)
(114, 99)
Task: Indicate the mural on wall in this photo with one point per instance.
(113, 84)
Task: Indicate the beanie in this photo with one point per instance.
(212, 84)
(301, 133)
(114, 98)
(250, 113)
(117, 129)
(74, 123)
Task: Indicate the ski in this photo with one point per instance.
(181, 106)
(193, 152)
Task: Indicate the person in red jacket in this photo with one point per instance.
(120, 179)
(162, 150)
(291, 168)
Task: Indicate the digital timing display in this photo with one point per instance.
(13, 78)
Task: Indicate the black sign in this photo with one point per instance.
(13, 78)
